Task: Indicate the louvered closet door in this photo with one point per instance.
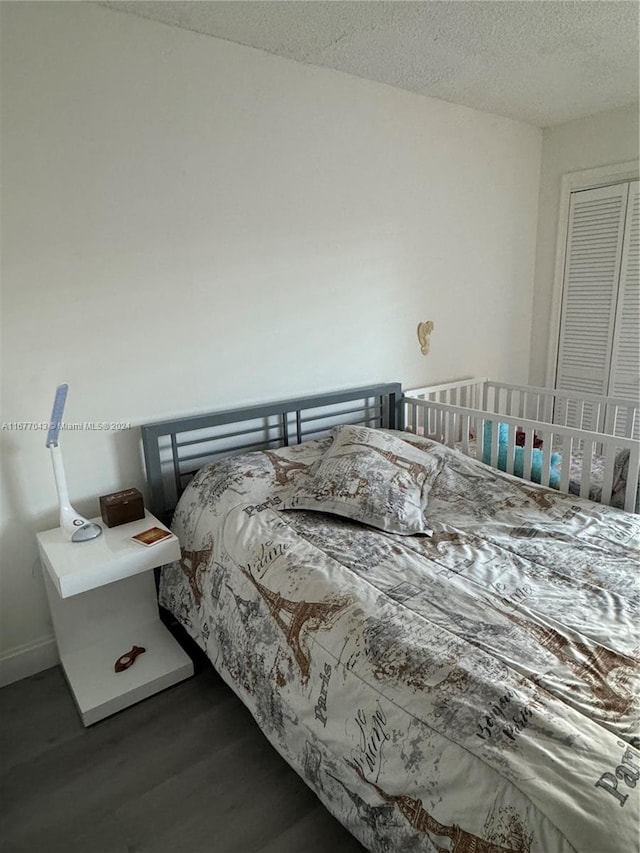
(625, 363)
(592, 273)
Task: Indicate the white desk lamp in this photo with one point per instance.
(77, 528)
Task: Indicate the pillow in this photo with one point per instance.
(371, 477)
(518, 457)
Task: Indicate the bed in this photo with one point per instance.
(580, 443)
(446, 654)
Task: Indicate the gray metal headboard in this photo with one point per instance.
(174, 450)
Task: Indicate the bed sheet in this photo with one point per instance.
(475, 691)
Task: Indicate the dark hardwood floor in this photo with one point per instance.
(186, 771)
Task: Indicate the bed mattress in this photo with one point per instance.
(473, 691)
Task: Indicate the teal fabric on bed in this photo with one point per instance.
(518, 461)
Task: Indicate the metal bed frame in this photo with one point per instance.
(174, 450)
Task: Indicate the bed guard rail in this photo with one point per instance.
(594, 412)
(465, 428)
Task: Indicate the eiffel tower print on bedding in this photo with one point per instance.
(470, 691)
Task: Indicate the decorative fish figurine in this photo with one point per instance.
(128, 659)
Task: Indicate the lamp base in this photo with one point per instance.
(88, 531)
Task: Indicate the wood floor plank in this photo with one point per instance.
(35, 714)
(251, 808)
(315, 832)
(185, 770)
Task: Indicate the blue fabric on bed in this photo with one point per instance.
(518, 460)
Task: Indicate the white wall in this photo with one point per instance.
(190, 224)
(600, 140)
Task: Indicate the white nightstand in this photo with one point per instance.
(102, 597)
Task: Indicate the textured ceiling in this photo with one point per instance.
(539, 61)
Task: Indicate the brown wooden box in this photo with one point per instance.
(121, 507)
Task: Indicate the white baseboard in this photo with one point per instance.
(23, 661)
